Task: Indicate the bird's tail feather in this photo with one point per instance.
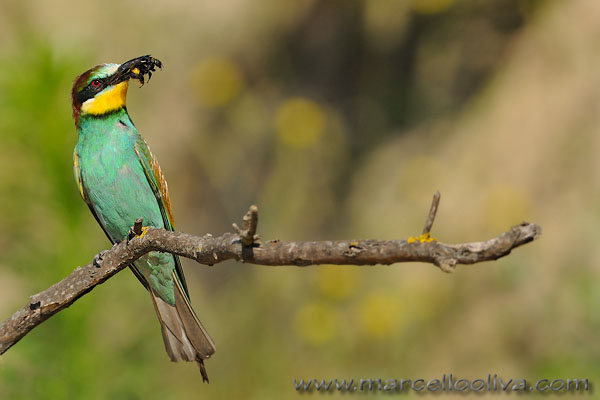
(184, 336)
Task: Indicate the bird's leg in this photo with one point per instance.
(98, 259)
(130, 235)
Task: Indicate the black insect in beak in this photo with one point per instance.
(136, 69)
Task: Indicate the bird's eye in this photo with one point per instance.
(96, 83)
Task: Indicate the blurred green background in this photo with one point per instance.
(339, 119)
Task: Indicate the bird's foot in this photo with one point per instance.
(130, 235)
(98, 259)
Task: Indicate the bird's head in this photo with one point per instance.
(103, 89)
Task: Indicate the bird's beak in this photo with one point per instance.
(136, 69)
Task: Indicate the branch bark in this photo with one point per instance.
(242, 246)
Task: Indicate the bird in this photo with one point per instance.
(120, 181)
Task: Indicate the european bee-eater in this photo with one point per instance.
(120, 180)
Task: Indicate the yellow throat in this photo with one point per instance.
(106, 101)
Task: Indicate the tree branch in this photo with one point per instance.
(243, 247)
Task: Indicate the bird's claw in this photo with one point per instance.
(130, 234)
(98, 259)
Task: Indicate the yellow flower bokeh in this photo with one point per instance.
(299, 122)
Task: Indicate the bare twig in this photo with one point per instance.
(137, 226)
(432, 212)
(136, 229)
(210, 250)
(248, 234)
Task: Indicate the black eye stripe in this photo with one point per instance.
(90, 91)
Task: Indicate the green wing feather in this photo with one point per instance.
(159, 187)
(85, 197)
